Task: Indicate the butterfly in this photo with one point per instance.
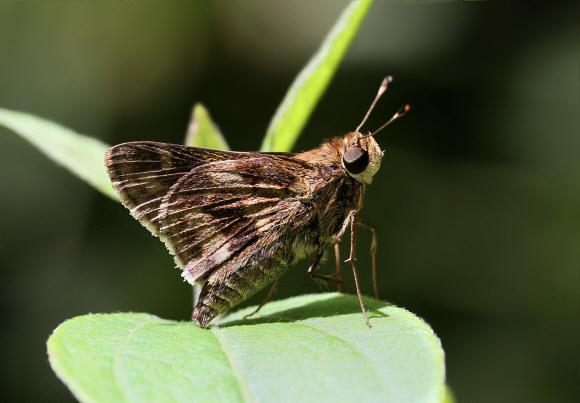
(235, 221)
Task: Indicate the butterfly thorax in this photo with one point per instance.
(334, 191)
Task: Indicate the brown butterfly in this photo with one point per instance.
(235, 221)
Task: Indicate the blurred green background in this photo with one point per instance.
(477, 202)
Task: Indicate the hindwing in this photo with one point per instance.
(220, 210)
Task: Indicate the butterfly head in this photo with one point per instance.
(361, 156)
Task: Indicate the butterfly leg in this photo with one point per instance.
(373, 253)
(337, 272)
(270, 295)
(352, 219)
(336, 240)
(331, 278)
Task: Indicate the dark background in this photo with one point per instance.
(477, 202)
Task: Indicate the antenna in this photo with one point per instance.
(386, 81)
(402, 111)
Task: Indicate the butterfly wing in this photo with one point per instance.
(214, 216)
(143, 173)
(233, 220)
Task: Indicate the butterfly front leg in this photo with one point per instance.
(352, 220)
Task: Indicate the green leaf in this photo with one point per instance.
(309, 348)
(203, 132)
(310, 84)
(82, 155)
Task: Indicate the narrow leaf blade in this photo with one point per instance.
(309, 85)
(203, 132)
(82, 155)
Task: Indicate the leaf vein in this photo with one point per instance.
(236, 371)
(119, 353)
(383, 381)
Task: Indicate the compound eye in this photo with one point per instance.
(355, 160)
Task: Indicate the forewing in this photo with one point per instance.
(144, 172)
(219, 210)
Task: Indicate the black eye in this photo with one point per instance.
(355, 160)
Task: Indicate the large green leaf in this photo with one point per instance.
(82, 155)
(310, 84)
(309, 348)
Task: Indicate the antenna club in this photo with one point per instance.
(386, 81)
(382, 89)
(404, 109)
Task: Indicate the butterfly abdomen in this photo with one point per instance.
(222, 291)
